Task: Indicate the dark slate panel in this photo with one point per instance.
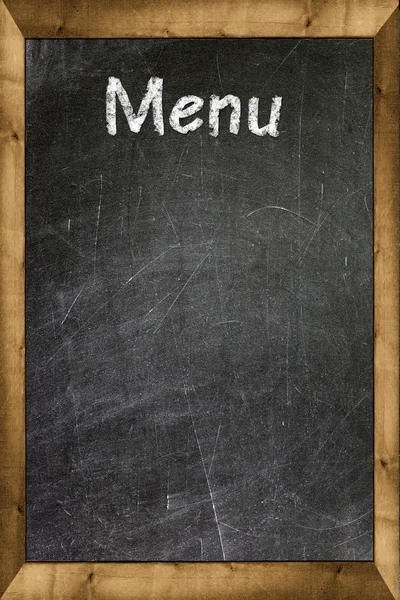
(199, 309)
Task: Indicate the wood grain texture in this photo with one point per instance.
(12, 342)
(51, 18)
(200, 18)
(386, 302)
(197, 581)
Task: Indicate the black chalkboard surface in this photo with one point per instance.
(199, 301)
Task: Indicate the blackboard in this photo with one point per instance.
(199, 307)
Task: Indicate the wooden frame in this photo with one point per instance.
(20, 19)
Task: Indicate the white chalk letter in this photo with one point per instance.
(272, 127)
(153, 96)
(193, 104)
(217, 104)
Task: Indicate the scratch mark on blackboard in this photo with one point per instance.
(168, 478)
(366, 206)
(78, 443)
(74, 248)
(342, 421)
(300, 442)
(170, 220)
(173, 180)
(138, 203)
(54, 324)
(201, 168)
(142, 269)
(316, 230)
(180, 292)
(70, 308)
(222, 311)
(305, 361)
(287, 362)
(228, 176)
(97, 226)
(300, 134)
(345, 88)
(321, 222)
(353, 193)
(205, 473)
(352, 539)
(215, 447)
(64, 509)
(286, 57)
(159, 56)
(366, 128)
(147, 66)
(219, 76)
(229, 294)
(339, 526)
(239, 530)
(298, 215)
(159, 302)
